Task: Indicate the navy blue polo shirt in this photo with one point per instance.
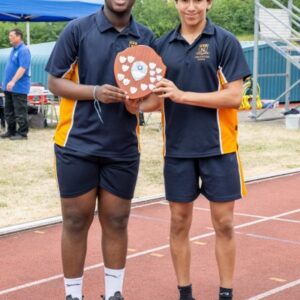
(214, 58)
(19, 57)
(85, 53)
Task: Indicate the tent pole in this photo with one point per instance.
(28, 40)
(27, 33)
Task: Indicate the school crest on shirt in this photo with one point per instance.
(132, 43)
(202, 53)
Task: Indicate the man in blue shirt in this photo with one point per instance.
(96, 140)
(16, 86)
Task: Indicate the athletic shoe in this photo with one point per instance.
(6, 135)
(225, 296)
(69, 297)
(117, 296)
(18, 137)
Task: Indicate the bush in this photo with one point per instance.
(159, 15)
(234, 15)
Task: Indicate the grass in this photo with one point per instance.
(28, 189)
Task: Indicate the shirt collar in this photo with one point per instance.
(18, 46)
(209, 29)
(104, 25)
(176, 35)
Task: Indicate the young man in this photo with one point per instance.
(16, 86)
(202, 91)
(96, 144)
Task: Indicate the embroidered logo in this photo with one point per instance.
(132, 43)
(203, 53)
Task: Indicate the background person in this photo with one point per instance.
(16, 86)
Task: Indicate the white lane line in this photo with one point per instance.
(138, 254)
(264, 237)
(276, 290)
(250, 215)
(149, 218)
(268, 218)
(29, 284)
(288, 220)
(236, 213)
(145, 204)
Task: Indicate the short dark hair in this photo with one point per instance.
(17, 31)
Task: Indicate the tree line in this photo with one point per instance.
(236, 16)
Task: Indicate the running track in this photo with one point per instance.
(268, 259)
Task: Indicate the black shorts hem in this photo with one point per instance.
(120, 195)
(185, 199)
(224, 199)
(77, 194)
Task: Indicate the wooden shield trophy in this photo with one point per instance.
(137, 69)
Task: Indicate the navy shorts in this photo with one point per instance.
(218, 178)
(78, 173)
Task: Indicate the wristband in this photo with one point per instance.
(94, 93)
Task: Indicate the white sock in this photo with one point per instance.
(73, 287)
(113, 281)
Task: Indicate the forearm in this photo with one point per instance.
(20, 72)
(228, 97)
(220, 99)
(69, 89)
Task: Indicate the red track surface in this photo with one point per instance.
(268, 261)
